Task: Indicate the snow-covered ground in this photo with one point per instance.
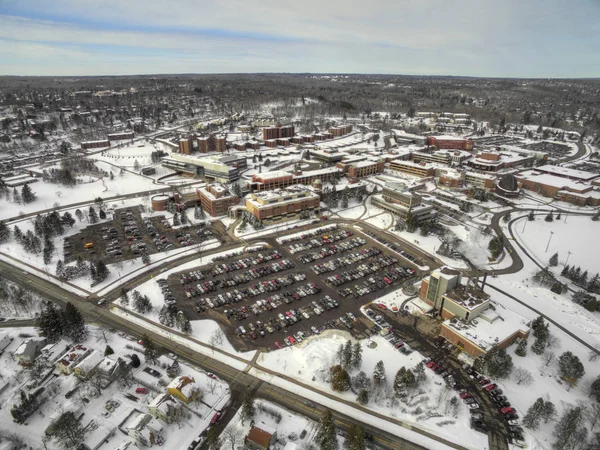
(177, 436)
(310, 361)
(288, 429)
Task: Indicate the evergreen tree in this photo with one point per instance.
(531, 216)
(379, 376)
(18, 234)
(176, 220)
(569, 430)
(595, 389)
(570, 368)
(419, 372)
(540, 344)
(102, 214)
(4, 232)
(136, 165)
(356, 356)
(213, 442)
(196, 212)
(326, 437)
(361, 381)
(355, 438)
(363, 397)
(553, 260)
(92, 216)
(50, 323)
(247, 410)
(16, 196)
(27, 194)
(340, 380)
(498, 363)
(79, 215)
(101, 271)
(411, 223)
(404, 379)
(521, 348)
(183, 323)
(347, 355)
(495, 246)
(73, 323)
(549, 217)
(108, 351)
(592, 286)
(565, 271)
(150, 352)
(145, 257)
(68, 430)
(534, 414)
(60, 269)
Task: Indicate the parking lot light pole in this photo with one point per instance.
(548, 244)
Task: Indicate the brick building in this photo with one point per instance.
(421, 170)
(186, 145)
(216, 199)
(281, 179)
(567, 185)
(95, 144)
(284, 204)
(450, 142)
(340, 131)
(278, 132)
(121, 136)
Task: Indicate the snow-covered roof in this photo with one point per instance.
(553, 180)
(493, 326)
(97, 437)
(90, 361)
(567, 172)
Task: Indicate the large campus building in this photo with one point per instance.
(471, 321)
(277, 179)
(450, 142)
(216, 199)
(421, 170)
(402, 203)
(284, 204)
(220, 168)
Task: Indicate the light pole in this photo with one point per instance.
(567, 260)
(567, 214)
(525, 223)
(548, 244)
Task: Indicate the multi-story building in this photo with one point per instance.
(402, 203)
(421, 170)
(95, 144)
(202, 144)
(328, 155)
(493, 161)
(365, 168)
(220, 168)
(282, 204)
(280, 179)
(165, 407)
(216, 199)
(450, 142)
(455, 157)
(121, 136)
(278, 132)
(186, 145)
(572, 188)
(471, 321)
(340, 130)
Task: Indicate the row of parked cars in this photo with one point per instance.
(321, 241)
(383, 328)
(299, 336)
(497, 396)
(396, 248)
(363, 270)
(251, 291)
(166, 291)
(344, 261)
(308, 234)
(377, 282)
(332, 249)
(244, 263)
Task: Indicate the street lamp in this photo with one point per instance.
(567, 260)
(548, 244)
(525, 223)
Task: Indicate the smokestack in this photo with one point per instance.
(484, 280)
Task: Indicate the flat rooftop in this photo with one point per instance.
(567, 172)
(468, 297)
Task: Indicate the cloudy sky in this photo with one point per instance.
(508, 38)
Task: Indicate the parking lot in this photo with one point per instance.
(282, 293)
(129, 235)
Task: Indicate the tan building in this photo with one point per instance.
(216, 199)
(165, 407)
(184, 388)
(186, 145)
(362, 169)
(421, 170)
(402, 203)
(66, 364)
(282, 204)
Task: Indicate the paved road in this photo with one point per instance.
(17, 323)
(238, 380)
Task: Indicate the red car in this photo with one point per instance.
(508, 410)
(278, 345)
(399, 344)
(216, 417)
(292, 340)
(211, 375)
(489, 387)
(465, 395)
(253, 335)
(430, 364)
(141, 390)
(484, 382)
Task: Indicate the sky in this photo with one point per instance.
(500, 38)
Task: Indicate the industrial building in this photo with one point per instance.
(95, 144)
(281, 205)
(121, 136)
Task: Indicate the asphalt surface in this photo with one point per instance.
(238, 380)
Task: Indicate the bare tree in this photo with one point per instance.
(549, 357)
(592, 414)
(216, 339)
(212, 385)
(552, 341)
(232, 436)
(522, 376)
(125, 378)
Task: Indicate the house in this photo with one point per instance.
(184, 388)
(29, 350)
(69, 360)
(5, 342)
(259, 438)
(146, 430)
(98, 437)
(53, 351)
(109, 368)
(165, 407)
(88, 364)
